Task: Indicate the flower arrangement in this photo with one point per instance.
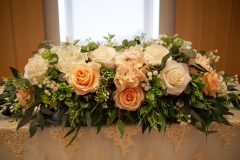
(148, 83)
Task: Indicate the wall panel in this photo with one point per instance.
(7, 54)
(233, 65)
(188, 21)
(28, 28)
(216, 29)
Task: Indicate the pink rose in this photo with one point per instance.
(129, 99)
(22, 97)
(212, 79)
(84, 78)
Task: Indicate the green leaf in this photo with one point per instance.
(189, 52)
(29, 111)
(75, 135)
(120, 126)
(53, 59)
(132, 43)
(76, 42)
(111, 118)
(69, 132)
(199, 68)
(41, 120)
(14, 72)
(145, 109)
(125, 42)
(99, 126)
(188, 90)
(10, 88)
(162, 121)
(88, 119)
(45, 110)
(84, 105)
(34, 52)
(64, 118)
(32, 129)
(199, 105)
(195, 115)
(12, 96)
(24, 121)
(2, 96)
(165, 58)
(144, 127)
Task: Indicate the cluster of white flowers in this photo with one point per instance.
(213, 57)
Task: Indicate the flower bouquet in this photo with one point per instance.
(147, 83)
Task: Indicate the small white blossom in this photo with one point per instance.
(155, 73)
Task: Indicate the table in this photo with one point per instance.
(177, 143)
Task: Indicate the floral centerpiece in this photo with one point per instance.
(147, 83)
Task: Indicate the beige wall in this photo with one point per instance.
(51, 21)
(167, 17)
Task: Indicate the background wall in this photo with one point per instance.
(210, 25)
(21, 30)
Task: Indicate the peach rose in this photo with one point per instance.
(22, 97)
(84, 77)
(129, 99)
(212, 79)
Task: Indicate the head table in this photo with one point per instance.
(176, 143)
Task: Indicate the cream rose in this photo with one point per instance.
(213, 80)
(84, 78)
(129, 99)
(155, 53)
(68, 56)
(175, 77)
(22, 97)
(104, 55)
(35, 67)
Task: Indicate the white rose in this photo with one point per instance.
(175, 77)
(104, 55)
(155, 53)
(35, 67)
(68, 56)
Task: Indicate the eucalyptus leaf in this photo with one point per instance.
(99, 126)
(120, 126)
(195, 115)
(12, 96)
(84, 105)
(9, 88)
(88, 119)
(53, 59)
(199, 105)
(32, 129)
(132, 43)
(189, 52)
(64, 118)
(40, 120)
(111, 118)
(45, 110)
(188, 90)
(23, 122)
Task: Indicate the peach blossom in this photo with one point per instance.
(22, 97)
(129, 99)
(130, 69)
(84, 77)
(212, 79)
